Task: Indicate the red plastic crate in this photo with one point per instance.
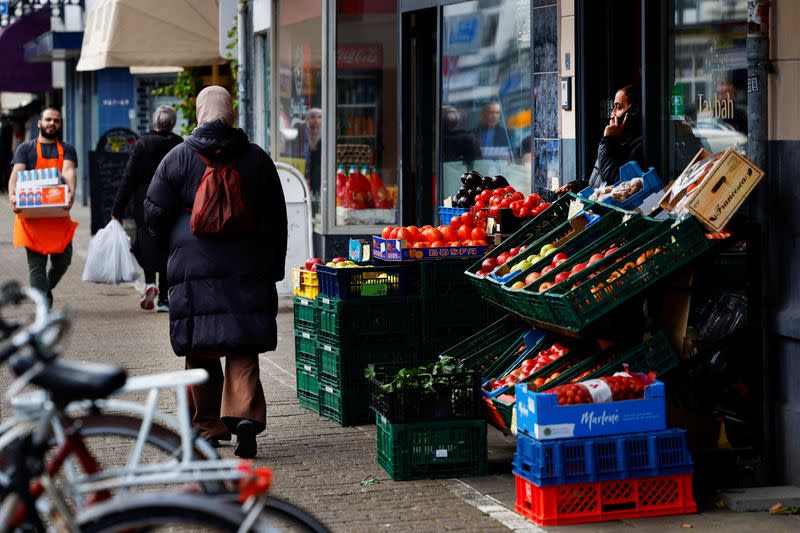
(560, 505)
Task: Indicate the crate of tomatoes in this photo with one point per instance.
(626, 402)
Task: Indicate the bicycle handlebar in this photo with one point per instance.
(44, 320)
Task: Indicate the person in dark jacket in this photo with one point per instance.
(492, 135)
(621, 142)
(148, 152)
(223, 300)
(458, 144)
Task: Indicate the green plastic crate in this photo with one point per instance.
(446, 320)
(654, 354)
(378, 321)
(307, 389)
(306, 315)
(444, 278)
(427, 450)
(346, 404)
(305, 352)
(580, 306)
(491, 349)
(342, 365)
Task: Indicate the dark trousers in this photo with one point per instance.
(43, 279)
(163, 286)
(220, 403)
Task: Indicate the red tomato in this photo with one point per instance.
(393, 233)
(386, 232)
(403, 233)
(466, 218)
(506, 202)
(494, 211)
(438, 244)
(453, 244)
(450, 233)
(415, 233)
(433, 235)
(478, 234)
(480, 204)
(465, 233)
(421, 244)
(479, 243)
(518, 195)
(524, 212)
(455, 222)
(510, 189)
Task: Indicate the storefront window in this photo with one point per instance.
(708, 105)
(366, 113)
(299, 72)
(486, 92)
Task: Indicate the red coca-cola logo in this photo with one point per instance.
(359, 56)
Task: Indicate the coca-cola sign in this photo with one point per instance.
(359, 56)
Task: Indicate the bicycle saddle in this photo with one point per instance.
(69, 380)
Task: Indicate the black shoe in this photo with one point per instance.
(245, 439)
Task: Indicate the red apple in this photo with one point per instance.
(512, 252)
(489, 264)
(338, 259)
(610, 251)
(595, 258)
(530, 278)
(547, 269)
(502, 258)
(560, 256)
(577, 268)
(544, 286)
(561, 276)
(312, 261)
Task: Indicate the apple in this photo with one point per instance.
(547, 269)
(530, 278)
(544, 286)
(546, 249)
(577, 268)
(489, 264)
(313, 267)
(595, 258)
(610, 251)
(533, 258)
(561, 276)
(338, 260)
(312, 261)
(524, 264)
(514, 251)
(502, 258)
(518, 285)
(560, 256)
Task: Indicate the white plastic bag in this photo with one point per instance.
(109, 259)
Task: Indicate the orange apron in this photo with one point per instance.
(45, 235)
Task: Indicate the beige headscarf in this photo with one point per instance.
(214, 103)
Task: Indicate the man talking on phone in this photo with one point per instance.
(621, 142)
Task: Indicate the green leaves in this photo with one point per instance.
(417, 378)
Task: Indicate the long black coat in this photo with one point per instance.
(222, 297)
(148, 152)
(612, 153)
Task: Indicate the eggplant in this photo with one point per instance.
(462, 191)
(486, 182)
(499, 181)
(464, 177)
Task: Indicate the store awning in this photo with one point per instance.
(15, 74)
(54, 45)
(150, 33)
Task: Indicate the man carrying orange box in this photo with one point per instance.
(51, 236)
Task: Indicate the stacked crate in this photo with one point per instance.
(595, 462)
(437, 432)
(306, 324)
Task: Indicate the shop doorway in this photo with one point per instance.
(619, 42)
(418, 104)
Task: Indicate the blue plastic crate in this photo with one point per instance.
(447, 213)
(397, 250)
(628, 171)
(540, 415)
(356, 282)
(560, 462)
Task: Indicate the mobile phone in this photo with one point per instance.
(632, 112)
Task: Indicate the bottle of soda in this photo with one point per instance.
(341, 184)
(22, 200)
(38, 197)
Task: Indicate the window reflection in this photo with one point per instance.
(486, 102)
(709, 93)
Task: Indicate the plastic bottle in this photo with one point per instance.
(341, 184)
(22, 199)
(38, 196)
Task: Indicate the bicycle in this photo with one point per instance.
(81, 385)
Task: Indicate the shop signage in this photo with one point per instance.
(359, 56)
(716, 108)
(3, 8)
(464, 34)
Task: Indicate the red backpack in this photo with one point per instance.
(219, 206)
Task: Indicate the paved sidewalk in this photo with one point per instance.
(316, 463)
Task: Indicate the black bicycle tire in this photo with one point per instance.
(114, 516)
(285, 509)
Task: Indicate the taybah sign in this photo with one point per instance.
(106, 167)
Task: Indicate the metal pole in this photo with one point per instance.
(243, 77)
(757, 69)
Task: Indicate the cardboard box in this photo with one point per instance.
(724, 190)
(48, 201)
(539, 415)
(398, 250)
(721, 193)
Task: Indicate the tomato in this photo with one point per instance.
(386, 232)
(421, 244)
(465, 232)
(510, 189)
(393, 233)
(449, 233)
(403, 234)
(414, 232)
(518, 195)
(466, 218)
(494, 211)
(479, 243)
(478, 234)
(433, 235)
(437, 244)
(455, 222)
(506, 202)
(524, 212)
(480, 204)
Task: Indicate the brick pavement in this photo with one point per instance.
(316, 463)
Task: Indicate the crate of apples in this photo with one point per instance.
(529, 367)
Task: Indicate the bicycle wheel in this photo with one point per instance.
(165, 512)
(285, 516)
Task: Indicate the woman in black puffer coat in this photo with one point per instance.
(223, 300)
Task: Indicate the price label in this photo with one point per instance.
(307, 368)
(441, 454)
(307, 336)
(328, 348)
(329, 389)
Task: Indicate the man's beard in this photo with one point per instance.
(47, 135)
